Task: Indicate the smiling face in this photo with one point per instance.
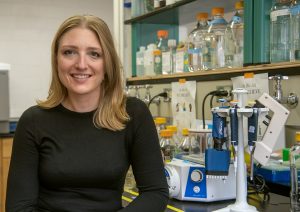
(80, 63)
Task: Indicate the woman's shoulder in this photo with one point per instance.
(34, 111)
(135, 105)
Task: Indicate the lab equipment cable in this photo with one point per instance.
(258, 186)
(163, 94)
(218, 93)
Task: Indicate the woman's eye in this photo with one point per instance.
(68, 52)
(95, 54)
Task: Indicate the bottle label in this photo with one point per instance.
(157, 59)
(179, 61)
(276, 13)
(236, 19)
(218, 21)
(166, 62)
(194, 51)
(140, 61)
(295, 10)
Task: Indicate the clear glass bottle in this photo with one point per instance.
(234, 38)
(196, 43)
(175, 136)
(185, 144)
(295, 27)
(160, 124)
(294, 170)
(215, 38)
(280, 30)
(167, 145)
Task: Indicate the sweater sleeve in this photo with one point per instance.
(22, 185)
(147, 163)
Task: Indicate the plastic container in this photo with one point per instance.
(196, 44)
(140, 71)
(215, 38)
(149, 60)
(182, 62)
(294, 169)
(168, 58)
(234, 38)
(280, 31)
(162, 40)
(157, 62)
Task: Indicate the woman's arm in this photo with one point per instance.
(147, 163)
(23, 185)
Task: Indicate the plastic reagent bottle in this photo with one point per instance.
(196, 43)
(280, 30)
(215, 38)
(234, 38)
(140, 61)
(295, 34)
(162, 43)
(294, 170)
(157, 62)
(149, 60)
(168, 58)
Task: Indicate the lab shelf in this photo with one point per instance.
(286, 68)
(164, 15)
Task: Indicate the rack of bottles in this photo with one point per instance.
(256, 58)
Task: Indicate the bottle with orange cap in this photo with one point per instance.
(295, 171)
(234, 38)
(162, 40)
(176, 137)
(160, 123)
(197, 44)
(167, 145)
(215, 39)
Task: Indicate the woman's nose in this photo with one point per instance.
(81, 62)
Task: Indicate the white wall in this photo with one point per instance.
(26, 32)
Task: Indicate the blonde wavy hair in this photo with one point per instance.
(111, 112)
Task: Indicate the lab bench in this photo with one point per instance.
(276, 203)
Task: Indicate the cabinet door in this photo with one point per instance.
(6, 145)
(5, 168)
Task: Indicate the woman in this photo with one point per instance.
(71, 152)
